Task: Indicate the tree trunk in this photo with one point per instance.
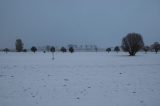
(132, 53)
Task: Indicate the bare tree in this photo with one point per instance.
(52, 49)
(156, 46)
(132, 43)
(48, 48)
(95, 48)
(146, 48)
(6, 50)
(19, 45)
(116, 49)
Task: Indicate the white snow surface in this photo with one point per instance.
(79, 79)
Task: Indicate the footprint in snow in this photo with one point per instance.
(64, 85)
(141, 101)
(50, 75)
(34, 94)
(89, 87)
(66, 79)
(3, 75)
(26, 89)
(84, 92)
(128, 84)
(12, 76)
(134, 92)
(77, 98)
(44, 85)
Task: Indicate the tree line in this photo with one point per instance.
(131, 43)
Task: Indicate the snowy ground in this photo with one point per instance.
(79, 79)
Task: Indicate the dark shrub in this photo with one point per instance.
(63, 49)
(24, 50)
(33, 49)
(71, 49)
(52, 49)
(108, 50)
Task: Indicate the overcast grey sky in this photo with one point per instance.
(62, 22)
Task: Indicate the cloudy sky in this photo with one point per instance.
(62, 22)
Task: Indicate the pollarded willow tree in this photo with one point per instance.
(132, 43)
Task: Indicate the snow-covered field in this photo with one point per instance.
(79, 79)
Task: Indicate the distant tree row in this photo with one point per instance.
(51, 49)
(131, 43)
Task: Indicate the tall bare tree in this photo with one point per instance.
(19, 45)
